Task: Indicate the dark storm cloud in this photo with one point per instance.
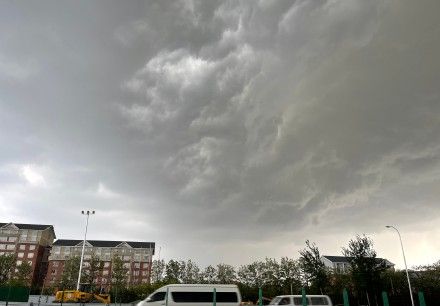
(229, 122)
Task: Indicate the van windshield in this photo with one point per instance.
(158, 296)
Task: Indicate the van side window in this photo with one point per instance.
(284, 301)
(203, 297)
(319, 301)
(158, 296)
(298, 301)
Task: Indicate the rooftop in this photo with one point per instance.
(24, 226)
(343, 259)
(106, 243)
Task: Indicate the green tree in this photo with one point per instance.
(251, 275)
(289, 275)
(119, 273)
(208, 275)
(157, 271)
(427, 277)
(173, 271)
(92, 271)
(225, 274)
(23, 274)
(69, 277)
(365, 268)
(190, 272)
(6, 267)
(313, 268)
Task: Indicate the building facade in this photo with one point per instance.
(30, 243)
(341, 264)
(136, 256)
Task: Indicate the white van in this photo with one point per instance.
(194, 294)
(315, 300)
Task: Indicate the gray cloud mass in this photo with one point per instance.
(235, 128)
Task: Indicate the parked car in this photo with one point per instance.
(315, 300)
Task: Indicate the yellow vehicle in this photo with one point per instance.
(80, 296)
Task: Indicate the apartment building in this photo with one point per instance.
(137, 258)
(28, 242)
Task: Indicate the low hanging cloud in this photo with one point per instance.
(293, 113)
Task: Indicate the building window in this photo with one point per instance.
(32, 247)
(20, 255)
(33, 237)
(137, 265)
(19, 262)
(10, 247)
(12, 239)
(22, 247)
(106, 264)
(105, 272)
(2, 246)
(30, 255)
(55, 263)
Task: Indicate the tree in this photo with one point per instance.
(365, 268)
(69, 277)
(6, 267)
(225, 274)
(289, 272)
(119, 273)
(23, 274)
(427, 277)
(208, 275)
(173, 271)
(190, 272)
(314, 269)
(252, 274)
(94, 269)
(157, 271)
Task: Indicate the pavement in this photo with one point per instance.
(47, 301)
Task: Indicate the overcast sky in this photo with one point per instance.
(224, 131)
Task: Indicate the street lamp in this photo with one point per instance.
(404, 260)
(87, 213)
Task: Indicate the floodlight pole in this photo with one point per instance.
(404, 260)
(87, 213)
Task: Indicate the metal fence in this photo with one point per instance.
(14, 294)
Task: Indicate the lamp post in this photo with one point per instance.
(87, 213)
(404, 260)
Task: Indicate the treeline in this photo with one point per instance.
(365, 280)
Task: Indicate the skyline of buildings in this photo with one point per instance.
(36, 244)
(136, 256)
